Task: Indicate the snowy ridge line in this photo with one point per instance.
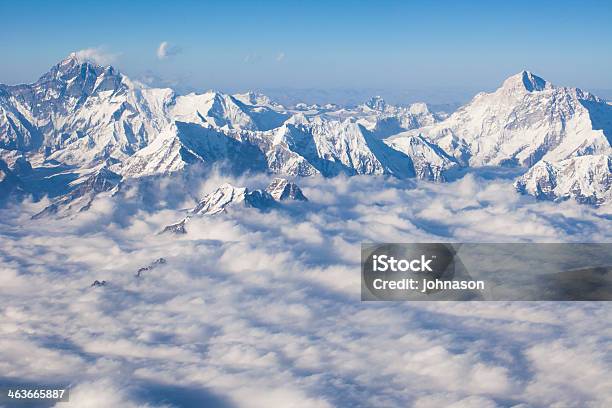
(84, 116)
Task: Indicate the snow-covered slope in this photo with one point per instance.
(258, 99)
(223, 110)
(228, 197)
(282, 189)
(429, 161)
(340, 146)
(79, 112)
(84, 190)
(526, 120)
(385, 120)
(302, 146)
(84, 116)
(588, 179)
(182, 144)
(223, 198)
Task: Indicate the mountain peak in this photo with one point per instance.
(72, 58)
(282, 189)
(376, 103)
(68, 64)
(526, 81)
(75, 59)
(77, 62)
(255, 99)
(83, 76)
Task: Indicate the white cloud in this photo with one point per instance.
(97, 55)
(280, 57)
(166, 50)
(262, 309)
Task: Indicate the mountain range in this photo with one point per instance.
(83, 128)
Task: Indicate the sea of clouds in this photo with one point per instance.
(257, 309)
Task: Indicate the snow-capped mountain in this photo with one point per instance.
(219, 201)
(303, 145)
(430, 162)
(282, 189)
(223, 110)
(258, 99)
(526, 120)
(588, 179)
(182, 144)
(385, 120)
(84, 190)
(79, 113)
(333, 147)
(80, 117)
(228, 197)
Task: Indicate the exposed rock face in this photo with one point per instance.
(178, 228)
(158, 262)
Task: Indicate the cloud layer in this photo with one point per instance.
(262, 309)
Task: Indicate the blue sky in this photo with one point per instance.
(389, 45)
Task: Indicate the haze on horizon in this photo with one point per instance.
(344, 51)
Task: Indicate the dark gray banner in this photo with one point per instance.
(453, 271)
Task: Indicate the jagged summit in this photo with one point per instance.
(73, 65)
(221, 200)
(218, 200)
(376, 103)
(82, 115)
(70, 61)
(76, 58)
(229, 197)
(282, 189)
(524, 121)
(526, 81)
